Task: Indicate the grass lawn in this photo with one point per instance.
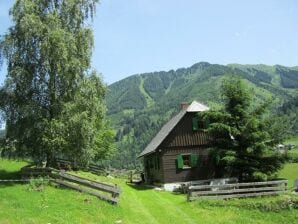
(292, 141)
(290, 172)
(293, 153)
(19, 203)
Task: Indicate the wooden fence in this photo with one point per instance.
(230, 180)
(96, 169)
(29, 171)
(237, 190)
(69, 165)
(104, 191)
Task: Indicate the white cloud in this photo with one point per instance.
(237, 34)
(240, 34)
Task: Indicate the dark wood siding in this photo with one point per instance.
(204, 169)
(153, 168)
(183, 135)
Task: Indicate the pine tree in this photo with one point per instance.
(242, 141)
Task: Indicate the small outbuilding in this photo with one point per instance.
(179, 151)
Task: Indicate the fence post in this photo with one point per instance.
(130, 177)
(188, 194)
(114, 194)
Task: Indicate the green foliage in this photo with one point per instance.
(37, 184)
(122, 97)
(288, 113)
(50, 102)
(156, 84)
(278, 204)
(243, 139)
(289, 77)
(82, 133)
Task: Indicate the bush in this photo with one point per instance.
(37, 184)
(276, 204)
(258, 176)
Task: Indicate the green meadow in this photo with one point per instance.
(21, 203)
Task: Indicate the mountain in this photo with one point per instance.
(139, 105)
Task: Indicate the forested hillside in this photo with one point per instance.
(140, 104)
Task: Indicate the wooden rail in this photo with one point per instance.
(237, 190)
(28, 171)
(104, 191)
(95, 169)
(68, 164)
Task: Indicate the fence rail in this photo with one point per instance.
(104, 191)
(29, 171)
(88, 186)
(68, 165)
(237, 190)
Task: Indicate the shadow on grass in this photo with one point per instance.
(5, 175)
(14, 175)
(140, 187)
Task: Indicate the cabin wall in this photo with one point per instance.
(153, 168)
(184, 136)
(183, 140)
(171, 172)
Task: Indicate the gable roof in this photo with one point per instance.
(169, 126)
(196, 107)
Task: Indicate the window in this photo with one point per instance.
(185, 161)
(199, 124)
(195, 124)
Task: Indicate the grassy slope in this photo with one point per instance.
(137, 205)
(293, 141)
(290, 172)
(150, 102)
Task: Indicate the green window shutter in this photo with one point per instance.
(179, 162)
(195, 124)
(193, 160)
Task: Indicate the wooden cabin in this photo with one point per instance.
(179, 151)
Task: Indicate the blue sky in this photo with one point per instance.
(138, 36)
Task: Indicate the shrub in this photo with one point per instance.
(37, 184)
